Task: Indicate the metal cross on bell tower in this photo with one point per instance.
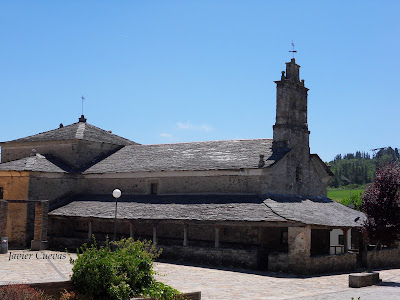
(293, 51)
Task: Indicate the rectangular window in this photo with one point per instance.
(1, 193)
(341, 239)
(154, 189)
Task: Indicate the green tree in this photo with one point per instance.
(380, 203)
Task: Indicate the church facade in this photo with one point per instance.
(258, 203)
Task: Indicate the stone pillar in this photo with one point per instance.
(345, 239)
(299, 242)
(154, 234)
(185, 235)
(39, 241)
(3, 218)
(131, 233)
(217, 240)
(90, 231)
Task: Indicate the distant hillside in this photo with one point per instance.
(359, 168)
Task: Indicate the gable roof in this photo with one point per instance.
(36, 163)
(326, 167)
(214, 155)
(77, 131)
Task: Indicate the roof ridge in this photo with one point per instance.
(38, 134)
(199, 142)
(10, 161)
(80, 131)
(30, 162)
(76, 131)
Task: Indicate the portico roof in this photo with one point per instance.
(249, 208)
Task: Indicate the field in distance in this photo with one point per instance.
(340, 194)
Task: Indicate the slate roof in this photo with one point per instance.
(181, 207)
(214, 155)
(77, 131)
(36, 163)
(251, 208)
(315, 211)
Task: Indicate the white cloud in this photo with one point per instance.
(206, 127)
(190, 126)
(186, 125)
(166, 135)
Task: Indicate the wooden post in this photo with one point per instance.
(345, 241)
(217, 241)
(185, 235)
(154, 233)
(131, 233)
(90, 231)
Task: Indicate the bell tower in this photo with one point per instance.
(291, 129)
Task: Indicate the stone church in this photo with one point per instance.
(259, 203)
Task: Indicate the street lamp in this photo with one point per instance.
(116, 194)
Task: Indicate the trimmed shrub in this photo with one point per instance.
(120, 274)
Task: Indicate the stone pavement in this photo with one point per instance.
(245, 285)
(215, 284)
(24, 266)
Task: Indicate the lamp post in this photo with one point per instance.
(116, 194)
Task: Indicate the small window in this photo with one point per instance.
(341, 239)
(154, 188)
(1, 193)
(298, 174)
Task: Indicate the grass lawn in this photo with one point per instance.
(339, 194)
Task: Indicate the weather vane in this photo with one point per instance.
(293, 51)
(83, 98)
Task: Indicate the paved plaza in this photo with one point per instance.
(215, 284)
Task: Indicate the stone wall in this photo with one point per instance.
(278, 179)
(281, 177)
(47, 186)
(178, 182)
(278, 262)
(227, 257)
(386, 258)
(15, 185)
(76, 153)
(332, 263)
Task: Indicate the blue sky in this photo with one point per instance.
(181, 71)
